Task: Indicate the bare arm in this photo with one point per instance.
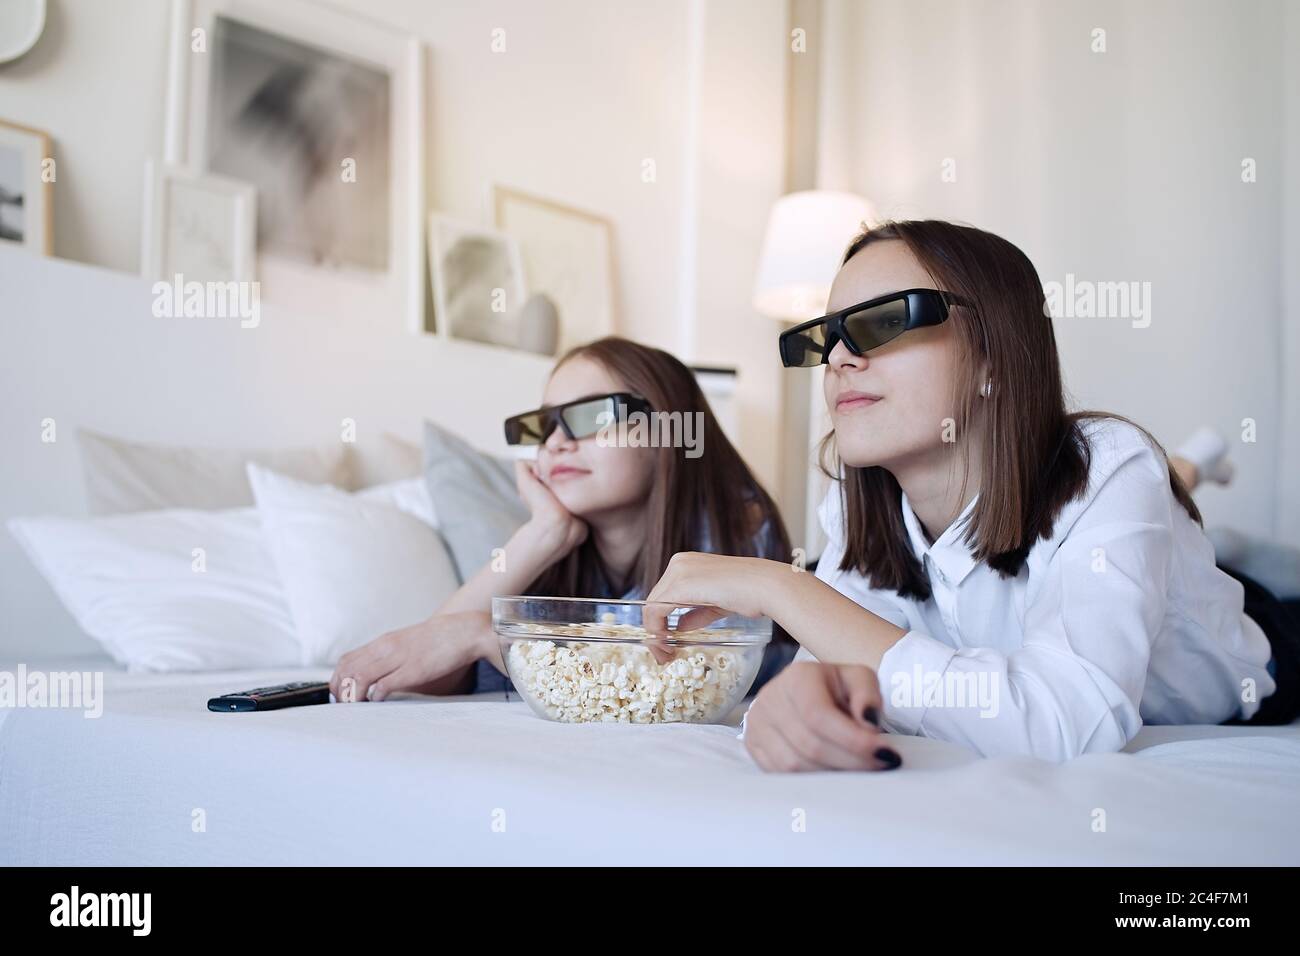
(832, 626)
(530, 551)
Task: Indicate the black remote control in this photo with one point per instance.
(273, 698)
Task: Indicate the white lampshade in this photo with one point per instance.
(807, 234)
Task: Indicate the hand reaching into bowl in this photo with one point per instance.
(729, 585)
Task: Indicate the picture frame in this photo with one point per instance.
(198, 225)
(479, 291)
(26, 198)
(568, 256)
(282, 95)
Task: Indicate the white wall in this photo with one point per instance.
(585, 91)
(738, 131)
(1288, 475)
(1123, 165)
(94, 82)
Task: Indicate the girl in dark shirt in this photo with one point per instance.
(608, 507)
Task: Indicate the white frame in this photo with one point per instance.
(501, 199)
(345, 291)
(38, 211)
(243, 196)
(441, 224)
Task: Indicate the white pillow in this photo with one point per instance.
(136, 584)
(410, 495)
(352, 565)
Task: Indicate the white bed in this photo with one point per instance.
(481, 781)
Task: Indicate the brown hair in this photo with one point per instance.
(1035, 457)
(716, 490)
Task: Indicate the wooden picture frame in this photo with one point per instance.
(560, 245)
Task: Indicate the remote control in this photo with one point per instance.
(273, 698)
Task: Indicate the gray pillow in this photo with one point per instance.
(473, 496)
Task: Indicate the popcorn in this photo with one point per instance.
(620, 681)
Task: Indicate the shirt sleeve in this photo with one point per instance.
(487, 679)
(1075, 684)
(828, 571)
(766, 544)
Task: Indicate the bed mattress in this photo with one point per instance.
(158, 779)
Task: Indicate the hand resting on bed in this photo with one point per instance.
(436, 656)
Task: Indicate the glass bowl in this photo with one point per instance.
(584, 660)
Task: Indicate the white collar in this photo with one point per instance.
(950, 554)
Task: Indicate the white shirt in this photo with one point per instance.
(1120, 617)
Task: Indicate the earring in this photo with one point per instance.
(987, 390)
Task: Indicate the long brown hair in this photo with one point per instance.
(1035, 457)
(714, 491)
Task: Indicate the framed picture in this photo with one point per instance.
(568, 257)
(199, 226)
(479, 292)
(26, 210)
(323, 113)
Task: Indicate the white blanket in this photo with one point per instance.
(159, 779)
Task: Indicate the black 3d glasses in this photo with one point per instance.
(580, 418)
(865, 326)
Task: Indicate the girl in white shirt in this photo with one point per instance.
(1000, 573)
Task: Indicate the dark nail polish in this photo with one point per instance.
(871, 716)
(889, 758)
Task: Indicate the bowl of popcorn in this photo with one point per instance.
(581, 660)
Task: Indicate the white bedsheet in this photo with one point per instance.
(418, 780)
